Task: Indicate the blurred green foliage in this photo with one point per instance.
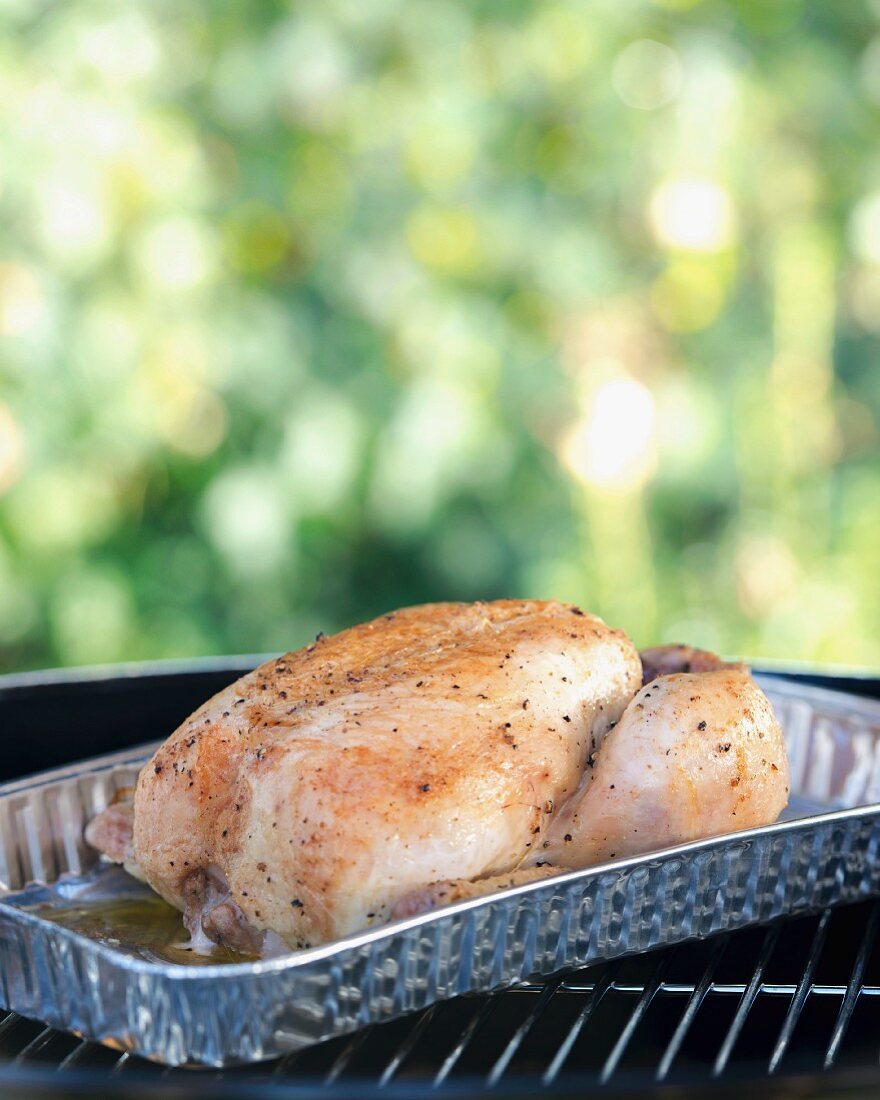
(308, 311)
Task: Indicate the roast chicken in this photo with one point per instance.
(436, 753)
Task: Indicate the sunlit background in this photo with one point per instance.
(312, 310)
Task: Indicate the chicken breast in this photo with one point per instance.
(435, 753)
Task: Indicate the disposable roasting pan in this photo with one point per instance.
(823, 852)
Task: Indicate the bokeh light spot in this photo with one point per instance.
(612, 446)
(688, 430)
(767, 574)
(444, 238)
(63, 507)
(256, 237)
(123, 50)
(440, 155)
(560, 41)
(92, 614)
(692, 213)
(177, 253)
(320, 185)
(647, 74)
(424, 454)
(687, 296)
(22, 305)
(869, 70)
(864, 228)
(247, 519)
(311, 66)
(863, 294)
(194, 421)
(11, 449)
(321, 452)
(74, 220)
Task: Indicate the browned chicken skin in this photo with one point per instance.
(435, 753)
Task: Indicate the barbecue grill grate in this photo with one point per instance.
(797, 997)
(763, 1004)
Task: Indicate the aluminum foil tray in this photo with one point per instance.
(823, 852)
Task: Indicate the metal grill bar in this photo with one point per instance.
(748, 999)
(409, 1041)
(700, 991)
(284, 1065)
(595, 999)
(732, 989)
(121, 1062)
(35, 1045)
(854, 989)
(506, 1056)
(648, 995)
(347, 1053)
(8, 1022)
(473, 1027)
(803, 991)
(78, 1051)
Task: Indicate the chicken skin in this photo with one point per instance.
(438, 752)
(694, 755)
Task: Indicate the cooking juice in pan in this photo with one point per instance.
(135, 920)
